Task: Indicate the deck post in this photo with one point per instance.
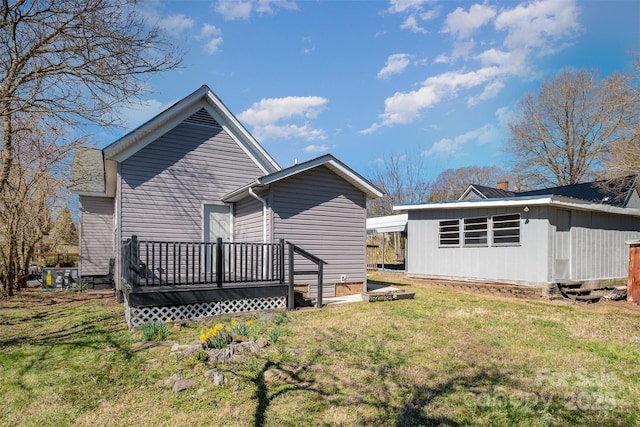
(319, 302)
(281, 262)
(291, 301)
(134, 262)
(219, 262)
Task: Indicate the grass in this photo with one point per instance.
(444, 358)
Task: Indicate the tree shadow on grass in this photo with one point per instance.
(264, 399)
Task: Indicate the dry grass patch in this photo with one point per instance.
(444, 358)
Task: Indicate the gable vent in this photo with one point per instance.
(203, 118)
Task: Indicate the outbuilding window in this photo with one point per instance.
(450, 233)
(506, 229)
(475, 231)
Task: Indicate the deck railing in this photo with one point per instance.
(296, 250)
(147, 263)
(160, 263)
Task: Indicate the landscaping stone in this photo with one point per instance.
(186, 350)
(215, 376)
(387, 296)
(172, 380)
(181, 385)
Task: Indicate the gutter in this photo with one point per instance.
(264, 213)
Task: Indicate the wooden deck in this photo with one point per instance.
(187, 280)
(148, 296)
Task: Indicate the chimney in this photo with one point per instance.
(503, 185)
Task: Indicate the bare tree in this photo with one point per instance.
(33, 187)
(401, 179)
(563, 131)
(451, 183)
(64, 63)
(623, 156)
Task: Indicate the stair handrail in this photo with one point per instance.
(295, 249)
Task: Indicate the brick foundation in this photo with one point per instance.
(342, 289)
(345, 289)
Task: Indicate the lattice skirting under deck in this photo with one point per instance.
(136, 316)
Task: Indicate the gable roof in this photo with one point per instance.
(326, 160)
(615, 192)
(484, 192)
(193, 108)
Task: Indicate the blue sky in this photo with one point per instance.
(364, 80)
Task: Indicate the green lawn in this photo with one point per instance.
(444, 358)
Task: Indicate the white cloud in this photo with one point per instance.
(405, 107)
(447, 147)
(400, 6)
(316, 148)
(395, 65)
(531, 29)
(212, 37)
(233, 9)
(539, 23)
(175, 24)
(490, 91)
(442, 59)
(267, 6)
(463, 24)
(267, 115)
(414, 10)
(411, 23)
(239, 9)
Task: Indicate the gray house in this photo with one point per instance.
(535, 238)
(192, 175)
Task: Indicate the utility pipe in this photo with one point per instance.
(264, 214)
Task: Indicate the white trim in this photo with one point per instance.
(559, 201)
(388, 224)
(203, 206)
(470, 188)
(334, 164)
(149, 131)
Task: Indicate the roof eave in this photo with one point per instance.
(559, 201)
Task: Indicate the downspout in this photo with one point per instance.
(264, 228)
(264, 214)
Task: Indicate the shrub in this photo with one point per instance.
(155, 330)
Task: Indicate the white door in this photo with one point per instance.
(217, 222)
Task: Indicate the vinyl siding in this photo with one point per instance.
(523, 263)
(324, 215)
(96, 235)
(248, 223)
(164, 185)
